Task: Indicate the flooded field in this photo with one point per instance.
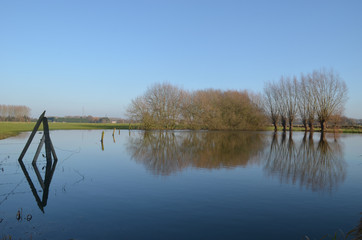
(181, 185)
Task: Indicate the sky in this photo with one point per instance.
(93, 57)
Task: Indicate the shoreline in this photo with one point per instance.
(11, 129)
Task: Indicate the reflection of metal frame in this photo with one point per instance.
(50, 166)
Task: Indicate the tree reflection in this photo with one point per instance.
(316, 166)
(164, 152)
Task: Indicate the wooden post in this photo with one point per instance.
(102, 136)
(31, 136)
(47, 142)
(38, 150)
(113, 131)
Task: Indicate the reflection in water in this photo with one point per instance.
(44, 184)
(165, 152)
(316, 166)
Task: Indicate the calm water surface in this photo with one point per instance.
(182, 185)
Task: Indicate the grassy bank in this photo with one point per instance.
(8, 129)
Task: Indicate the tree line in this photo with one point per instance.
(14, 113)
(164, 106)
(318, 96)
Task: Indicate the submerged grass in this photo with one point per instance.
(9, 129)
(356, 129)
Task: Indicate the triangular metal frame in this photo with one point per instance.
(50, 165)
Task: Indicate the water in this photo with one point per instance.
(182, 185)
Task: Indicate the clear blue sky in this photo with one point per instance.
(94, 57)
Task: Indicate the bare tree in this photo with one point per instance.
(14, 113)
(303, 100)
(282, 102)
(312, 102)
(238, 111)
(159, 107)
(320, 95)
(139, 111)
(209, 112)
(271, 99)
(291, 99)
(227, 110)
(2, 112)
(335, 120)
(165, 101)
(330, 93)
(306, 101)
(190, 111)
(165, 106)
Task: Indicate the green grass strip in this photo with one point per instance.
(9, 129)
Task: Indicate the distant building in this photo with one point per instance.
(104, 120)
